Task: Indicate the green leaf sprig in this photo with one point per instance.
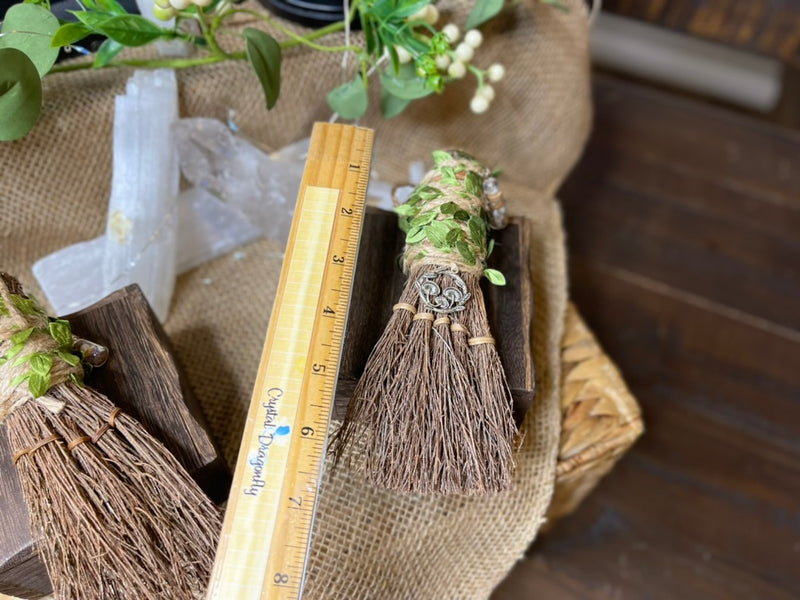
(448, 227)
(410, 58)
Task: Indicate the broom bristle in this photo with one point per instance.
(432, 411)
(115, 515)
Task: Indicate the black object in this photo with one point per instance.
(313, 13)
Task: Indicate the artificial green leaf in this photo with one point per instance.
(448, 208)
(403, 224)
(92, 20)
(429, 192)
(423, 219)
(405, 88)
(41, 363)
(69, 33)
(350, 99)
(61, 332)
(436, 232)
(466, 252)
(556, 4)
(483, 11)
(13, 351)
(461, 215)
(415, 235)
(474, 184)
(68, 358)
(29, 28)
(454, 235)
(132, 30)
(21, 336)
(490, 248)
(38, 384)
(405, 210)
(477, 231)
(391, 106)
(110, 6)
(264, 54)
(440, 156)
(20, 94)
(406, 8)
(494, 276)
(106, 53)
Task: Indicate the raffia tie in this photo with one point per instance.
(471, 204)
(14, 391)
(454, 327)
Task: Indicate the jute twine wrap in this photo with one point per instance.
(367, 543)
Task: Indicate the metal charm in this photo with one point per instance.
(448, 300)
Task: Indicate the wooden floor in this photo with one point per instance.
(683, 222)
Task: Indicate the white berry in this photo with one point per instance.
(202, 3)
(473, 38)
(479, 105)
(162, 3)
(487, 92)
(431, 15)
(403, 55)
(464, 52)
(180, 4)
(451, 32)
(496, 72)
(457, 70)
(442, 62)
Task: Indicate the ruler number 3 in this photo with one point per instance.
(336, 259)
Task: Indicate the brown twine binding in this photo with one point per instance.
(112, 419)
(458, 328)
(43, 442)
(426, 316)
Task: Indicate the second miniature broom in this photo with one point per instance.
(116, 515)
(432, 412)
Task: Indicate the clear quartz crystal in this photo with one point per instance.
(262, 186)
(142, 210)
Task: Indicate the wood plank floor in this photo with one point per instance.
(683, 223)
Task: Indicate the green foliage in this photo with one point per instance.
(494, 276)
(350, 100)
(391, 105)
(69, 33)
(20, 94)
(484, 10)
(29, 28)
(106, 53)
(264, 54)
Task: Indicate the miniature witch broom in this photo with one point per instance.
(431, 413)
(116, 515)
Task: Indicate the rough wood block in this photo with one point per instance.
(378, 283)
(142, 378)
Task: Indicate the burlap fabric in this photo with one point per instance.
(367, 543)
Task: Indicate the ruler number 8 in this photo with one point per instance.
(281, 578)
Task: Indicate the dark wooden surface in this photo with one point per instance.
(141, 377)
(683, 225)
(378, 283)
(769, 27)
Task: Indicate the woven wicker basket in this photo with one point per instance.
(600, 417)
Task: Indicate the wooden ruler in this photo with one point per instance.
(266, 533)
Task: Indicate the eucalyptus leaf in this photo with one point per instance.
(30, 28)
(20, 94)
(132, 30)
(264, 54)
(350, 99)
(494, 276)
(483, 11)
(106, 53)
(391, 106)
(69, 33)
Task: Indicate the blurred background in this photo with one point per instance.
(683, 225)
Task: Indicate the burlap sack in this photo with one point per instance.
(367, 543)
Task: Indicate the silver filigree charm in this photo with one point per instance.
(445, 300)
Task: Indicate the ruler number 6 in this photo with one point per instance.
(307, 431)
